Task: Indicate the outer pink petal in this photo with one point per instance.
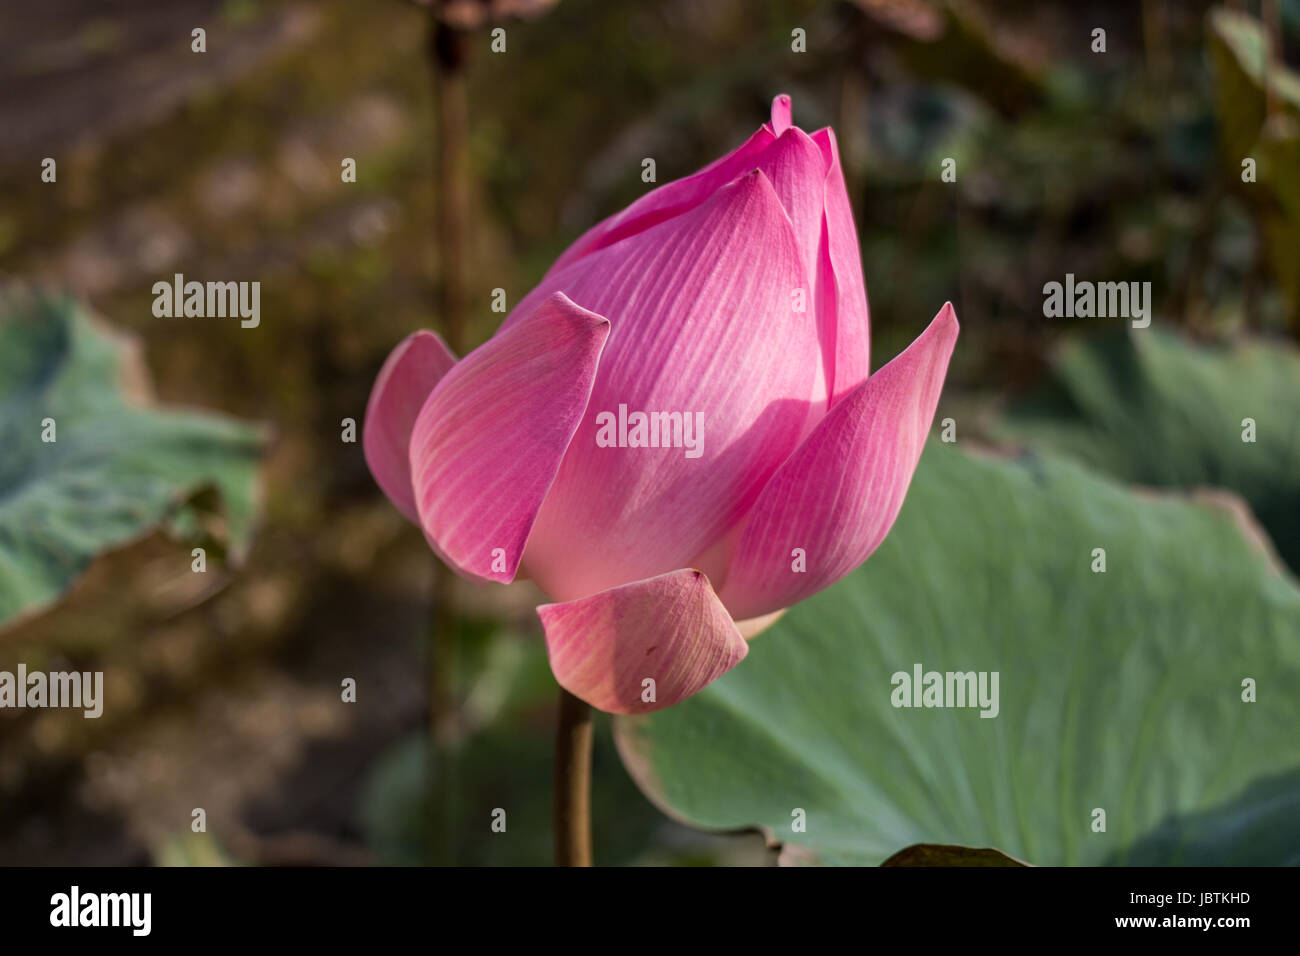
(409, 374)
(702, 324)
(671, 629)
(850, 340)
(669, 200)
(839, 493)
(488, 442)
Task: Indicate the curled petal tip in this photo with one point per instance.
(581, 317)
(781, 113)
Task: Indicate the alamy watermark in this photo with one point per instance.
(651, 430)
(1099, 300)
(76, 909)
(208, 300)
(75, 689)
(923, 688)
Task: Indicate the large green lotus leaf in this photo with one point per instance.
(116, 468)
(1120, 691)
(1150, 408)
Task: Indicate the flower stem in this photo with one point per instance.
(447, 49)
(572, 811)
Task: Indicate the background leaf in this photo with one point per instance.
(1153, 409)
(117, 468)
(1120, 690)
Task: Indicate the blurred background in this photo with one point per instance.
(474, 171)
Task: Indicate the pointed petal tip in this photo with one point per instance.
(949, 314)
(927, 355)
(943, 325)
(781, 113)
(754, 180)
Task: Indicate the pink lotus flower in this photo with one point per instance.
(686, 303)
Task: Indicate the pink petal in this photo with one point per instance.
(488, 442)
(702, 318)
(671, 629)
(409, 374)
(797, 169)
(669, 200)
(839, 493)
(851, 341)
(781, 114)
